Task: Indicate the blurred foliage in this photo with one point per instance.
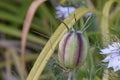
(44, 23)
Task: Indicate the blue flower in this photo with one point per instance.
(62, 12)
(113, 55)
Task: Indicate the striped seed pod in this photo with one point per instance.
(72, 49)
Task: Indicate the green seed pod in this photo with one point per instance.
(72, 49)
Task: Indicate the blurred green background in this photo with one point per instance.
(44, 23)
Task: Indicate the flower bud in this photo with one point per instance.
(72, 49)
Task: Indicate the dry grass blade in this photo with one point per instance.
(26, 27)
(17, 63)
(104, 21)
(58, 34)
(115, 11)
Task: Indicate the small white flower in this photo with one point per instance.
(113, 55)
(62, 12)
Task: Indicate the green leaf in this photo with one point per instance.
(17, 33)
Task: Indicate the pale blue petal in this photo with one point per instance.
(114, 62)
(116, 68)
(109, 57)
(112, 47)
(116, 44)
(111, 63)
(105, 51)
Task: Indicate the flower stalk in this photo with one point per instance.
(72, 75)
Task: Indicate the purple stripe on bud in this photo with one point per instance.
(65, 42)
(80, 48)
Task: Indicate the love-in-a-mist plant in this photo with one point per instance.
(73, 49)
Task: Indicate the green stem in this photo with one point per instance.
(71, 75)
